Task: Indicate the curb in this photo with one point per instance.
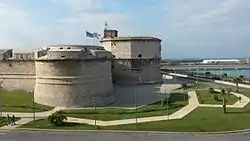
(125, 131)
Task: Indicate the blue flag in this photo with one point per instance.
(96, 35)
(88, 34)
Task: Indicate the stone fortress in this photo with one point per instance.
(82, 75)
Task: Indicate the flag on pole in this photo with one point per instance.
(96, 35)
(88, 34)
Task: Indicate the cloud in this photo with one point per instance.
(217, 14)
(17, 25)
(81, 5)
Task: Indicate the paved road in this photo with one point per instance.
(186, 67)
(97, 136)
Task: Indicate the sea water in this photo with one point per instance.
(233, 72)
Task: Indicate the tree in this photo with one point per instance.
(224, 76)
(166, 102)
(242, 77)
(224, 103)
(228, 90)
(237, 80)
(184, 87)
(57, 118)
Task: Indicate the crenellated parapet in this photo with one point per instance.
(72, 52)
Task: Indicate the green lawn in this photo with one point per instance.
(20, 101)
(197, 85)
(200, 120)
(205, 97)
(194, 85)
(155, 109)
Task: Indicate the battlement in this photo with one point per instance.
(7, 54)
(67, 52)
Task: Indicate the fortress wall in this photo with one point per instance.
(136, 71)
(147, 49)
(74, 83)
(17, 74)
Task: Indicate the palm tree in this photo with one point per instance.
(184, 87)
(224, 103)
(242, 77)
(228, 90)
(237, 80)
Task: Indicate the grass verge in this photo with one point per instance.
(200, 120)
(155, 109)
(205, 97)
(20, 101)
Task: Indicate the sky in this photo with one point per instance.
(188, 28)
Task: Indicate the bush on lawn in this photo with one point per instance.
(166, 102)
(57, 118)
(199, 97)
(211, 90)
(216, 97)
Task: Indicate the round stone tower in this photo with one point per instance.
(137, 59)
(73, 76)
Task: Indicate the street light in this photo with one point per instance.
(221, 73)
(94, 102)
(197, 70)
(135, 99)
(165, 90)
(1, 102)
(33, 103)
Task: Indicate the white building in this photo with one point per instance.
(219, 61)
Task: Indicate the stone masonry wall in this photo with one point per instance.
(17, 75)
(74, 83)
(127, 71)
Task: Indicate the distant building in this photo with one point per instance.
(221, 61)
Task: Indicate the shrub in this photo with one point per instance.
(166, 102)
(57, 118)
(216, 97)
(211, 90)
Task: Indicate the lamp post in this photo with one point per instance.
(1, 102)
(205, 72)
(221, 73)
(34, 111)
(94, 102)
(135, 99)
(197, 70)
(165, 90)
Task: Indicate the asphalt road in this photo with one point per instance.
(98, 136)
(186, 67)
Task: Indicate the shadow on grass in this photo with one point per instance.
(239, 112)
(69, 124)
(178, 97)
